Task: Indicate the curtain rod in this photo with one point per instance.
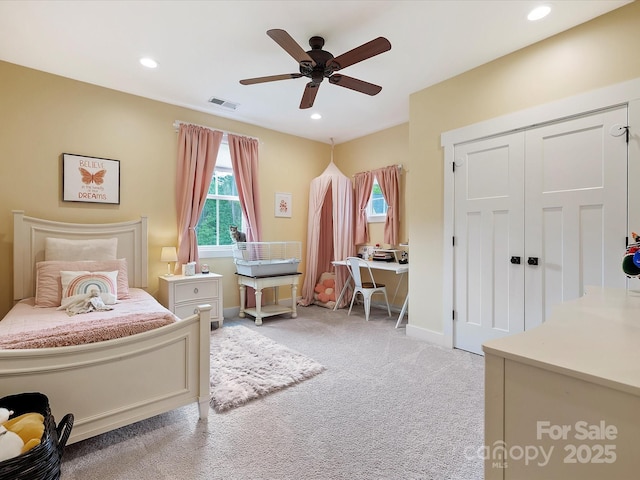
(398, 166)
(177, 124)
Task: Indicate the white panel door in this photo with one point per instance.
(554, 196)
(489, 230)
(576, 210)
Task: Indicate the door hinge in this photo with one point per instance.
(453, 241)
(453, 315)
(453, 166)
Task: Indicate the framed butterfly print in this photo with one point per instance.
(90, 179)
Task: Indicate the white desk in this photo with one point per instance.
(395, 267)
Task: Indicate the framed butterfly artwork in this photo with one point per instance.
(90, 179)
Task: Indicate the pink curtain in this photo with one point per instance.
(244, 159)
(389, 181)
(197, 153)
(363, 182)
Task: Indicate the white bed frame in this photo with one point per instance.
(107, 385)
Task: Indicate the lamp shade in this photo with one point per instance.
(169, 254)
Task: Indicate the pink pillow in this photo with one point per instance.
(49, 284)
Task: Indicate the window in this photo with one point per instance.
(377, 206)
(221, 209)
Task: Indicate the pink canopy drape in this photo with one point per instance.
(330, 229)
(197, 153)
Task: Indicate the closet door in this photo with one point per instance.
(554, 199)
(489, 240)
(575, 210)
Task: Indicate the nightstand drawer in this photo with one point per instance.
(185, 310)
(196, 290)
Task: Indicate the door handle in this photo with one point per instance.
(515, 260)
(532, 261)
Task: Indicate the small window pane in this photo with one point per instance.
(217, 215)
(377, 206)
(226, 184)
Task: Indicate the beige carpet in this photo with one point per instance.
(246, 365)
(387, 407)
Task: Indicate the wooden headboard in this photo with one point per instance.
(29, 236)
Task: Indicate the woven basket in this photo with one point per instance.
(42, 462)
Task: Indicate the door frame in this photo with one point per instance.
(625, 93)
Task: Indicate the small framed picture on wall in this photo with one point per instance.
(90, 179)
(283, 205)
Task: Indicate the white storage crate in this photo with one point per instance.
(264, 259)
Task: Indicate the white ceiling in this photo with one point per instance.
(205, 47)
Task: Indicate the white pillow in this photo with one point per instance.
(83, 282)
(73, 250)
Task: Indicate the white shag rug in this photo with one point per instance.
(246, 365)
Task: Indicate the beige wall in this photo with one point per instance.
(43, 116)
(596, 54)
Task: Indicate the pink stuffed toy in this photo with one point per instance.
(326, 290)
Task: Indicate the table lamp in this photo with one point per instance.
(169, 254)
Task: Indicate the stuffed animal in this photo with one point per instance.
(10, 443)
(325, 290)
(20, 434)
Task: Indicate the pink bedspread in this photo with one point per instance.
(27, 326)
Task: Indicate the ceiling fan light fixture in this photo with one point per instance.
(539, 13)
(318, 64)
(148, 62)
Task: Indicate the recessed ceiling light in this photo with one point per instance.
(316, 116)
(539, 12)
(148, 62)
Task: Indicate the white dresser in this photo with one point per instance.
(562, 400)
(182, 294)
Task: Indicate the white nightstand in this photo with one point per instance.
(182, 294)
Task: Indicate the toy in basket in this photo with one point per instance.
(42, 462)
(631, 258)
(266, 259)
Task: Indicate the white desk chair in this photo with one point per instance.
(366, 289)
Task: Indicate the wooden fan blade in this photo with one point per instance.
(309, 95)
(355, 84)
(358, 54)
(292, 47)
(271, 78)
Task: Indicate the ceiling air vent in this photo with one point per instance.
(223, 103)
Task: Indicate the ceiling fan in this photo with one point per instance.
(317, 64)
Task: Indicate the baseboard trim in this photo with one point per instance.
(430, 336)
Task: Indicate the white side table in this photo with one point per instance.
(258, 283)
(182, 294)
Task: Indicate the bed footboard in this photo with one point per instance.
(111, 384)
